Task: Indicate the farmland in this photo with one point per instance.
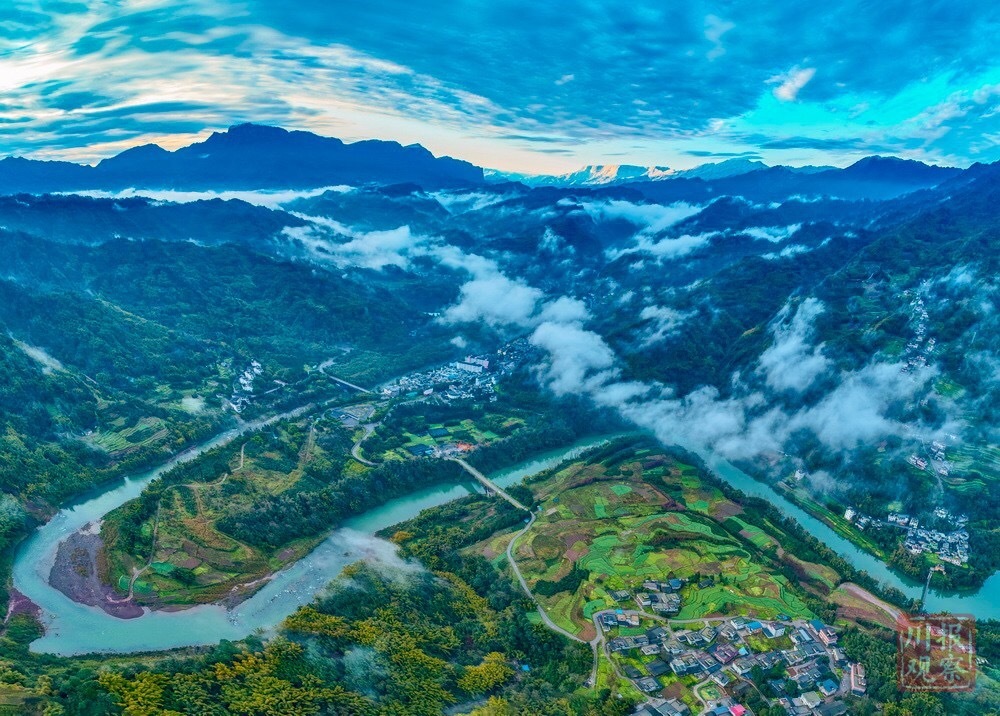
(192, 560)
(632, 513)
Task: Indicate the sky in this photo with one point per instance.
(517, 85)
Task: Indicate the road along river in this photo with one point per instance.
(73, 628)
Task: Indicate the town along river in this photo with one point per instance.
(73, 628)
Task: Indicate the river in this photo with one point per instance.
(73, 628)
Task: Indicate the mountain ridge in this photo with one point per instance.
(245, 156)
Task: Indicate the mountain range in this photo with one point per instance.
(255, 157)
(247, 156)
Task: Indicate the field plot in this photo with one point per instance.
(617, 519)
(122, 438)
(185, 558)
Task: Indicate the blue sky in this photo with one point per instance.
(515, 84)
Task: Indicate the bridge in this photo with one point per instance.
(488, 483)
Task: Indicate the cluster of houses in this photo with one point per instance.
(720, 653)
(937, 460)
(466, 379)
(918, 351)
(660, 597)
(951, 547)
(474, 377)
(243, 389)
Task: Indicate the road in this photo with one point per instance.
(894, 613)
(595, 642)
(489, 484)
(356, 449)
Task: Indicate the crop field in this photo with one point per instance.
(192, 561)
(128, 438)
(464, 431)
(605, 518)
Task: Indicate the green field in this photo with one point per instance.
(192, 561)
(614, 523)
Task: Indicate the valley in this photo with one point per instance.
(215, 409)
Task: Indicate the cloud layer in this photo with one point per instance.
(512, 83)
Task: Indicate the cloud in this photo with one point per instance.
(650, 218)
(774, 234)
(664, 321)
(564, 310)
(791, 83)
(791, 362)
(651, 221)
(496, 301)
(576, 357)
(787, 252)
(668, 248)
(857, 410)
(268, 199)
(715, 28)
(327, 240)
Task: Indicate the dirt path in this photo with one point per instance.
(594, 644)
(895, 613)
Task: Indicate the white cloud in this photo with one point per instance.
(650, 218)
(791, 83)
(267, 199)
(791, 363)
(715, 28)
(496, 300)
(325, 238)
(664, 319)
(576, 357)
(774, 234)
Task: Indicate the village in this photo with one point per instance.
(474, 377)
(795, 664)
(951, 546)
(917, 351)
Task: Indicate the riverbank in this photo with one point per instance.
(917, 573)
(77, 571)
(17, 603)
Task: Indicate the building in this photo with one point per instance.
(828, 687)
(828, 636)
(859, 682)
(724, 653)
(672, 707)
(773, 630)
(648, 684)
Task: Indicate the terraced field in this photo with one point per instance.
(191, 560)
(622, 519)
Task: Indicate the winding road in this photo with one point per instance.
(356, 449)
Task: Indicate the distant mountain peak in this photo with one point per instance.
(590, 175)
(597, 174)
(248, 156)
(721, 170)
(897, 169)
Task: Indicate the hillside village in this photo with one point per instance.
(794, 664)
(951, 546)
(476, 376)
